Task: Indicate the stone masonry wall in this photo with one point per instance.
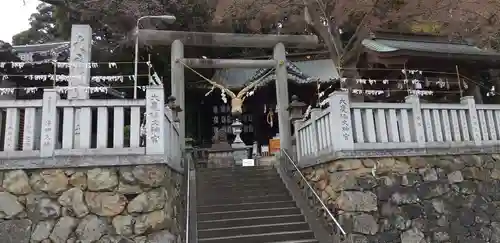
(133, 204)
(415, 199)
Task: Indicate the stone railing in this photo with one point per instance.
(345, 128)
(56, 127)
(90, 170)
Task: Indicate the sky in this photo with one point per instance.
(14, 17)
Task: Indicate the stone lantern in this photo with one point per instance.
(296, 109)
(174, 107)
(237, 128)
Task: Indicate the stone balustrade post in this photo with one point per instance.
(340, 121)
(472, 119)
(155, 129)
(416, 120)
(49, 122)
(315, 139)
(297, 139)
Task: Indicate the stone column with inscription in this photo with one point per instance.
(49, 126)
(79, 71)
(341, 123)
(155, 109)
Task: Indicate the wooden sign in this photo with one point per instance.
(274, 145)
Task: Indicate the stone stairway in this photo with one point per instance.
(247, 205)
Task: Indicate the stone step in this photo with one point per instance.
(296, 241)
(248, 213)
(241, 189)
(237, 168)
(223, 196)
(238, 180)
(230, 174)
(258, 182)
(243, 199)
(291, 236)
(245, 206)
(252, 230)
(235, 222)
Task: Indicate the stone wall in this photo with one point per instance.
(133, 204)
(415, 199)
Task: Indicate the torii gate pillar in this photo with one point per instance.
(178, 86)
(285, 133)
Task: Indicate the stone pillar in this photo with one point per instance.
(341, 134)
(472, 121)
(155, 136)
(178, 88)
(416, 120)
(79, 72)
(282, 97)
(49, 126)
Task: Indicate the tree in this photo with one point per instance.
(116, 19)
(477, 20)
(48, 24)
(113, 23)
(343, 24)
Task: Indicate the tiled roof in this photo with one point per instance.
(387, 45)
(42, 47)
(300, 72)
(42, 52)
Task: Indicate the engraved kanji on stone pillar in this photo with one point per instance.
(79, 72)
(80, 58)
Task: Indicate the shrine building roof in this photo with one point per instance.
(298, 71)
(426, 45)
(42, 52)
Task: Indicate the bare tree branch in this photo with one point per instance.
(360, 26)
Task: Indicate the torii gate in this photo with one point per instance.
(180, 38)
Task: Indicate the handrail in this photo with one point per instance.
(190, 228)
(314, 193)
(188, 192)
